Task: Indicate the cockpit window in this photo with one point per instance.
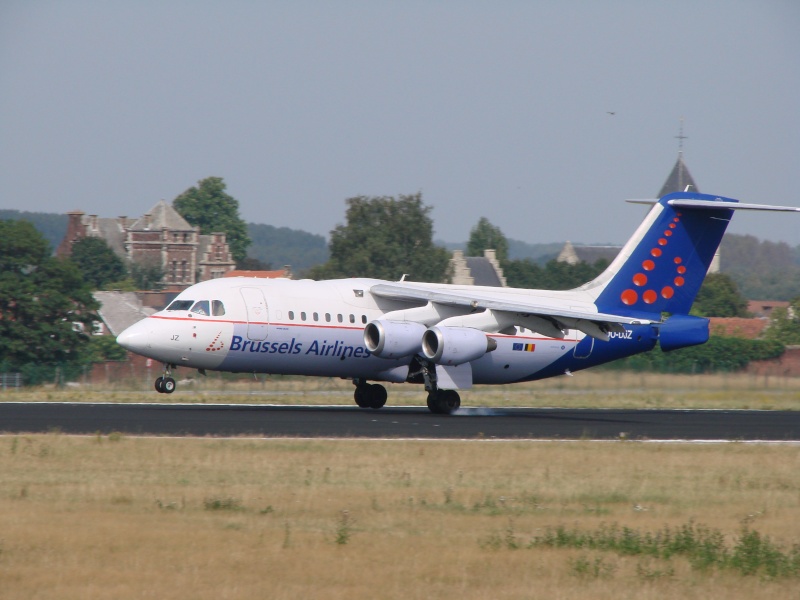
(181, 305)
(217, 308)
(201, 307)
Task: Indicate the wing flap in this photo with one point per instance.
(591, 323)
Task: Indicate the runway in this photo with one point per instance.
(397, 422)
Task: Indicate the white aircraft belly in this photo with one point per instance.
(507, 365)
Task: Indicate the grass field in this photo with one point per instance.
(597, 388)
(129, 517)
(119, 517)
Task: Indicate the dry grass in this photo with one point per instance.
(608, 389)
(119, 517)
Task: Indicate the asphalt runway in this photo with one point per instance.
(397, 422)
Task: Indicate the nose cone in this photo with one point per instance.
(136, 338)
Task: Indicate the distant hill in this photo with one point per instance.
(763, 270)
(540, 253)
(281, 246)
(51, 225)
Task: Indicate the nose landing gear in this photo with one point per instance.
(166, 384)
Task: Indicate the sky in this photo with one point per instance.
(489, 109)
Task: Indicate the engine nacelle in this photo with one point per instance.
(393, 339)
(455, 345)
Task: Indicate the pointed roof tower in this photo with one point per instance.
(680, 177)
(161, 216)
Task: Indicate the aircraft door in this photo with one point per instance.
(257, 314)
(583, 347)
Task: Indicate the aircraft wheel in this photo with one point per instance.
(168, 386)
(361, 396)
(160, 385)
(451, 401)
(444, 402)
(377, 396)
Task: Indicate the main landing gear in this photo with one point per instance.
(373, 395)
(443, 402)
(369, 395)
(166, 384)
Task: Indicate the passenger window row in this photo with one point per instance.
(315, 316)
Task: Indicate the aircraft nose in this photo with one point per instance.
(135, 338)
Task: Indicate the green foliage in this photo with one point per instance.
(385, 238)
(703, 547)
(209, 207)
(784, 324)
(97, 261)
(554, 275)
(763, 270)
(103, 348)
(485, 236)
(52, 226)
(41, 298)
(279, 246)
(718, 354)
(227, 503)
(719, 297)
(147, 275)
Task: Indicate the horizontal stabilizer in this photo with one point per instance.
(718, 204)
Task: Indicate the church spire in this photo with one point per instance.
(680, 177)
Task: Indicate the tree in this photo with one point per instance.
(147, 275)
(485, 236)
(97, 261)
(42, 298)
(554, 275)
(784, 324)
(719, 297)
(385, 238)
(209, 207)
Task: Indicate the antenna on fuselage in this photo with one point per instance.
(403, 278)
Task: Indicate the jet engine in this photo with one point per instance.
(455, 345)
(393, 339)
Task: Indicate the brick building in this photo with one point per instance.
(160, 237)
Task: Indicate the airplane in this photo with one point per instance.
(449, 337)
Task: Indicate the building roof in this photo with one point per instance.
(280, 273)
(483, 271)
(589, 254)
(764, 308)
(678, 179)
(750, 329)
(162, 215)
(120, 310)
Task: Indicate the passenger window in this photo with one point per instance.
(217, 308)
(339, 318)
(303, 316)
(316, 316)
(364, 319)
(291, 315)
(352, 318)
(201, 307)
(328, 317)
(181, 305)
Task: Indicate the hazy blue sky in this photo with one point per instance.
(496, 109)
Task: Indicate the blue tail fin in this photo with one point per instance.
(663, 265)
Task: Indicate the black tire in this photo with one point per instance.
(361, 396)
(377, 396)
(160, 385)
(444, 402)
(451, 401)
(168, 385)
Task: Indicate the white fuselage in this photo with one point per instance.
(306, 327)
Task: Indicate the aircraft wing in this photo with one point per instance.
(592, 323)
